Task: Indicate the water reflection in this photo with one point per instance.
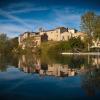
(73, 66)
(54, 69)
(87, 67)
(10, 60)
(83, 70)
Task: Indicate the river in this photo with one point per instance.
(53, 77)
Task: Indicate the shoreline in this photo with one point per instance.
(81, 53)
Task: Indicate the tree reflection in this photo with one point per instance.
(88, 67)
(6, 60)
(65, 66)
(3, 66)
(26, 63)
(69, 67)
(90, 79)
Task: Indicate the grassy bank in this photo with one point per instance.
(57, 47)
(48, 46)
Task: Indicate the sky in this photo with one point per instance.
(18, 16)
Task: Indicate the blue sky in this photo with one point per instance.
(18, 16)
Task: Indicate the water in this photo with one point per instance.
(53, 77)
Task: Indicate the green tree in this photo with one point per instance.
(90, 24)
(14, 42)
(76, 44)
(7, 45)
(59, 47)
(97, 27)
(29, 43)
(3, 43)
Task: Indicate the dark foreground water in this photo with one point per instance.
(50, 78)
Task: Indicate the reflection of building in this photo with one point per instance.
(89, 75)
(96, 62)
(26, 64)
(59, 70)
(34, 65)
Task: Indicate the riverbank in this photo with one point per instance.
(81, 53)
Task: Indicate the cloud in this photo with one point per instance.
(25, 10)
(12, 30)
(67, 13)
(24, 7)
(6, 14)
(67, 17)
(58, 17)
(19, 5)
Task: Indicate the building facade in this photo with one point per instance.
(63, 34)
(35, 35)
(57, 34)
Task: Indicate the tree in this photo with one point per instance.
(13, 44)
(7, 45)
(97, 27)
(90, 24)
(3, 43)
(29, 43)
(76, 44)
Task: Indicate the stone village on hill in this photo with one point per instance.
(57, 34)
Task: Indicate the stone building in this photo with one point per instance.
(57, 34)
(62, 34)
(25, 35)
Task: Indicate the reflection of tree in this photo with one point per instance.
(73, 61)
(28, 63)
(57, 66)
(8, 60)
(32, 64)
(3, 66)
(90, 81)
(76, 61)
